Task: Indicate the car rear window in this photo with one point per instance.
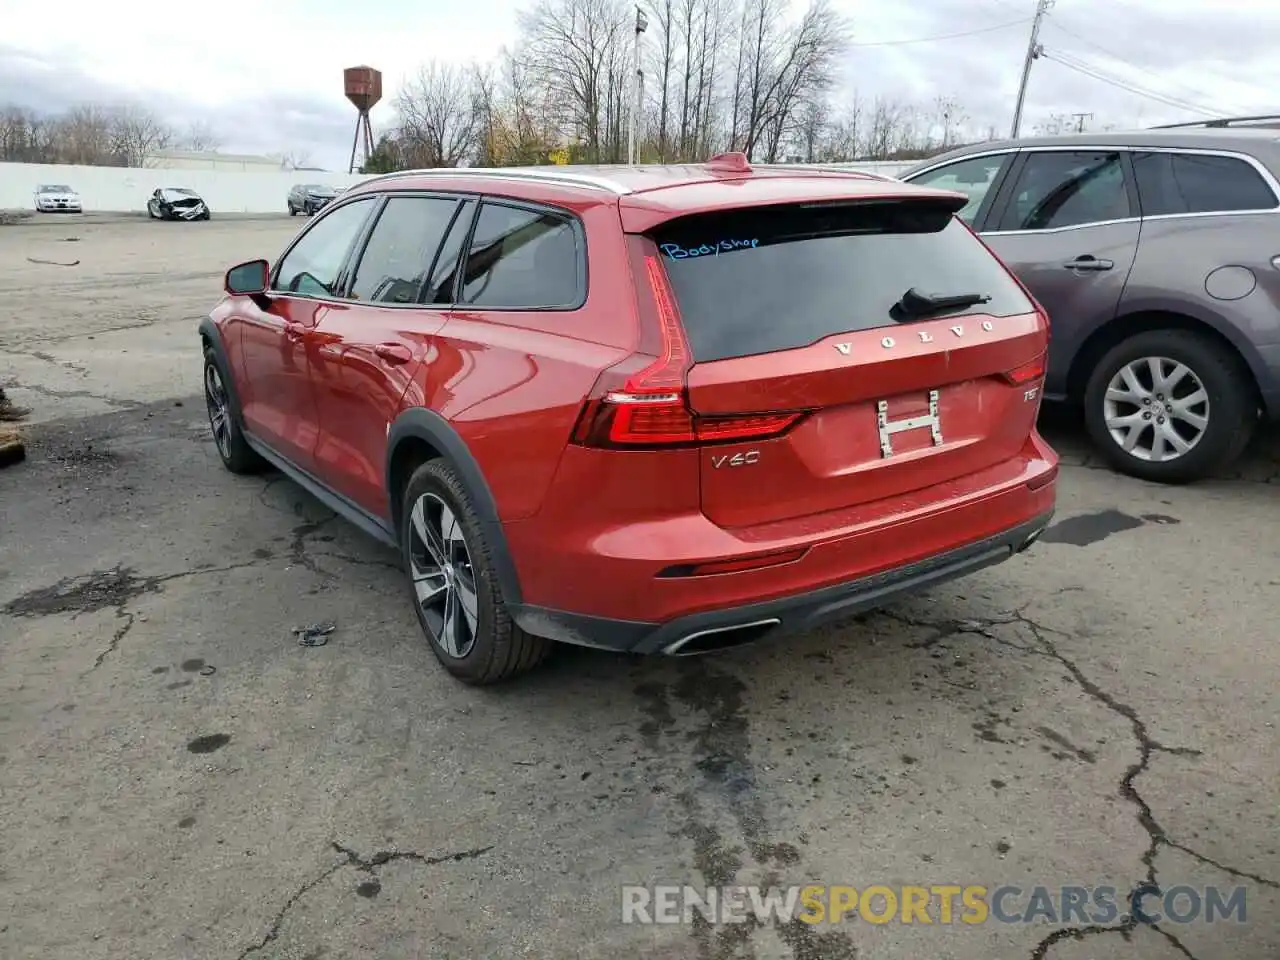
(762, 279)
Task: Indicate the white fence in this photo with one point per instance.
(125, 189)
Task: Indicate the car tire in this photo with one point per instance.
(293, 211)
(1216, 428)
(224, 420)
(458, 572)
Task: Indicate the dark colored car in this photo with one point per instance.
(1157, 256)
(310, 198)
(652, 410)
(177, 203)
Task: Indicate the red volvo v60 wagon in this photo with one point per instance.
(649, 409)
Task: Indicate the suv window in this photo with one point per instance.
(1195, 183)
(754, 281)
(972, 177)
(311, 268)
(402, 249)
(1067, 189)
(523, 258)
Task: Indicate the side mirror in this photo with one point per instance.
(248, 279)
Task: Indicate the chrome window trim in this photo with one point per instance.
(1267, 177)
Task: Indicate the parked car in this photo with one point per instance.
(309, 198)
(653, 410)
(57, 197)
(177, 203)
(1155, 255)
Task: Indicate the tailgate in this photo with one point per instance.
(802, 309)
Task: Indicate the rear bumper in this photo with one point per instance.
(793, 614)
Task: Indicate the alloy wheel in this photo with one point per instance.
(1156, 409)
(443, 579)
(215, 398)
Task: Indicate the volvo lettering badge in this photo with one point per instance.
(889, 343)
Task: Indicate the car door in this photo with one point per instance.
(277, 403)
(369, 348)
(1067, 223)
(977, 177)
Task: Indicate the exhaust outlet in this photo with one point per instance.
(720, 638)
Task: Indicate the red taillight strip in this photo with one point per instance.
(1027, 372)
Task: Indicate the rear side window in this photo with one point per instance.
(522, 258)
(401, 249)
(1171, 183)
(775, 278)
(1067, 188)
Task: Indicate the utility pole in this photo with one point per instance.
(1080, 119)
(1034, 49)
(641, 23)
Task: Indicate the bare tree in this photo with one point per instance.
(136, 134)
(664, 12)
(438, 116)
(574, 50)
(199, 137)
(293, 159)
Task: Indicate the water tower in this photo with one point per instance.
(363, 86)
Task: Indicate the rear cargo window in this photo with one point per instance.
(758, 280)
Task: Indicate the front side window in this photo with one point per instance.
(973, 178)
(524, 259)
(1058, 189)
(312, 267)
(402, 249)
(1172, 183)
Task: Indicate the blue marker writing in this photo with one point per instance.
(677, 252)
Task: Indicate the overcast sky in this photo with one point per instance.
(268, 76)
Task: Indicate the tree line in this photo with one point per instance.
(719, 75)
(94, 135)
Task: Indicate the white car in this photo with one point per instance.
(57, 197)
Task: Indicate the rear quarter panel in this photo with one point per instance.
(1181, 260)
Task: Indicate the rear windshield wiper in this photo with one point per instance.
(915, 304)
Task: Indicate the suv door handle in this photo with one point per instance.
(394, 353)
(1089, 262)
(294, 331)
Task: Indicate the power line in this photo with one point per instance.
(1088, 70)
(945, 36)
(1057, 25)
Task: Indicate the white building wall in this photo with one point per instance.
(126, 189)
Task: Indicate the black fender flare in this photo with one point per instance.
(427, 425)
(209, 334)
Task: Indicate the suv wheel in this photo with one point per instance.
(293, 211)
(451, 579)
(234, 451)
(1169, 406)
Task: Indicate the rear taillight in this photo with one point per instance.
(1027, 372)
(642, 401)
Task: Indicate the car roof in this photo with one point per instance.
(674, 188)
(1250, 140)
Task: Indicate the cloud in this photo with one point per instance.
(268, 77)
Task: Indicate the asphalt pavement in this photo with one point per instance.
(180, 777)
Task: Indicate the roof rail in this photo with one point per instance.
(1219, 122)
(524, 174)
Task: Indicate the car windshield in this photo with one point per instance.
(55, 188)
(316, 187)
(179, 192)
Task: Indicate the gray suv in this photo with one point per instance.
(1157, 257)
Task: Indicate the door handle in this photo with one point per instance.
(294, 331)
(1089, 262)
(394, 353)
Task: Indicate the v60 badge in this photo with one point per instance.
(735, 460)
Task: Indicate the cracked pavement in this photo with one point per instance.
(179, 777)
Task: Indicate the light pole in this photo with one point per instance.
(641, 23)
